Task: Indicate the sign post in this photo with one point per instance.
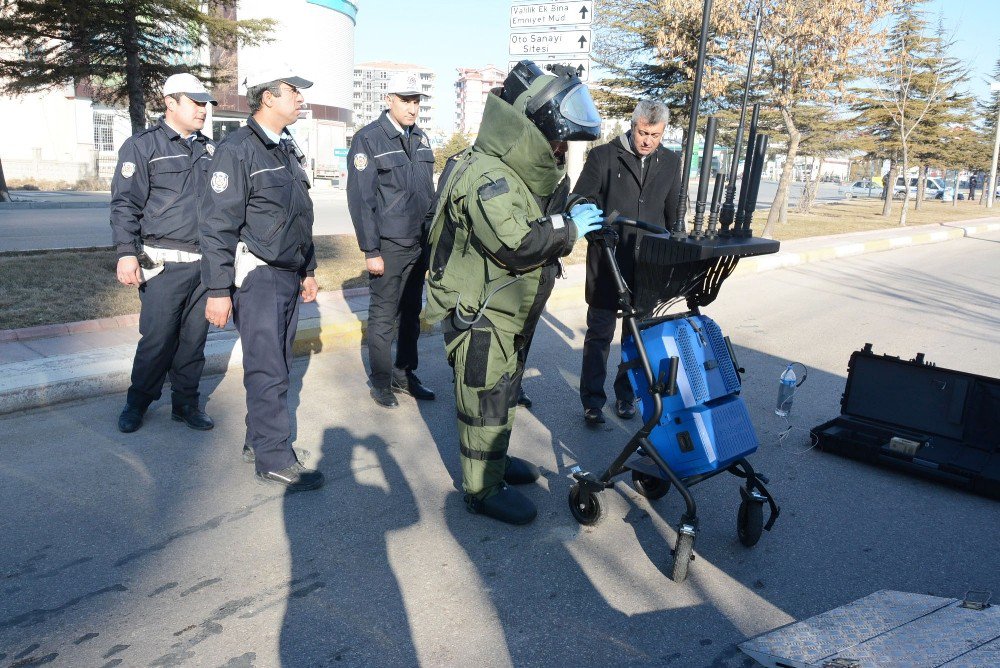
(554, 32)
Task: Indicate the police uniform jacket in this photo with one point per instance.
(156, 190)
(390, 184)
(614, 178)
(258, 193)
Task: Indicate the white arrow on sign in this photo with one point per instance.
(582, 65)
(540, 15)
(543, 43)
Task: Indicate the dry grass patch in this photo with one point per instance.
(50, 287)
(863, 215)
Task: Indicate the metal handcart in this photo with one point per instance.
(685, 374)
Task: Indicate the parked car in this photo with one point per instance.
(861, 189)
(934, 188)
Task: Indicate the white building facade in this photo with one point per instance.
(370, 88)
(63, 136)
(316, 39)
(471, 89)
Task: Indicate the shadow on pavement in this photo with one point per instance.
(344, 603)
(155, 548)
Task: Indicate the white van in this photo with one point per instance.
(934, 188)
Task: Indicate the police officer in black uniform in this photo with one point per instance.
(161, 176)
(256, 234)
(390, 188)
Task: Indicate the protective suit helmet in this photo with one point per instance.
(559, 104)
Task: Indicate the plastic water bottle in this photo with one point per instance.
(786, 390)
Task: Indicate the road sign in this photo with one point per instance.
(552, 42)
(544, 14)
(582, 65)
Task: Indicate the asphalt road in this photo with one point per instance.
(32, 229)
(158, 549)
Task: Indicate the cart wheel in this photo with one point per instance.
(683, 554)
(586, 509)
(650, 486)
(750, 522)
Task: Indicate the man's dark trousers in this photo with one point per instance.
(522, 342)
(596, 346)
(173, 328)
(395, 296)
(266, 314)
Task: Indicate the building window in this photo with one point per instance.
(222, 127)
(104, 131)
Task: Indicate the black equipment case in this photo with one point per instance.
(923, 419)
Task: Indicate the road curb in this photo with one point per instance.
(52, 380)
(17, 206)
(783, 259)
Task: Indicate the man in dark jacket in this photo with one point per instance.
(389, 191)
(640, 179)
(161, 176)
(256, 225)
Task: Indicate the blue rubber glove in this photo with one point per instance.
(588, 218)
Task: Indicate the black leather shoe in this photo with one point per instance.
(130, 419)
(593, 416)
(413, 387)
(296, 478)
(383, 396)
(508, 505)
(625, 409)
(193, 417)
(520, 472)
(249, 456)
(523, 399)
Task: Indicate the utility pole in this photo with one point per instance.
(4, 193)
(991, 185)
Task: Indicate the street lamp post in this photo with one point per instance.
(992, 185)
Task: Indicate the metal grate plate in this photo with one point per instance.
(888, 629)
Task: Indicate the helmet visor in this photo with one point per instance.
(578, 107)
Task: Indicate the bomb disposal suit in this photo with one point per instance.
(490, 244)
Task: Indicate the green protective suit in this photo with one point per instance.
(492, 254)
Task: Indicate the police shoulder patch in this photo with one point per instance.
(220, 181)
(128, 169)
(210, 148)
(360, 161)
(491, 190)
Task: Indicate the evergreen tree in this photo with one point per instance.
(911, 86)
(123, 49)
(826, 131)
(457, 143)
(933, 142)
(650, 47)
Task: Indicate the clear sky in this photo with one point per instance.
(446, 35)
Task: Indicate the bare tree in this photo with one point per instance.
(811, 50)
